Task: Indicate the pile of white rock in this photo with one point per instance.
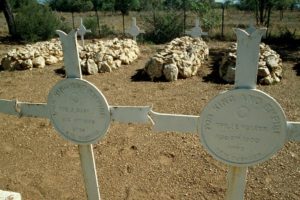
(181, 58)
(98, 56)
(105, 56)
(33, 56)
(269, 65)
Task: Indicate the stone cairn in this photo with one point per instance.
(181, 58)
(105, 56)
(33, 56)
(98, 56)
(269, 65)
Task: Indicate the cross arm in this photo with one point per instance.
(33, 109)
(130, 114)
(173, 122)
(13, 107)
(8, 107)
(293, 131)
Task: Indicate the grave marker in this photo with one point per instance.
(82, 31)
(78, 111)
(134, 30)
(196, 31)
(240, 127)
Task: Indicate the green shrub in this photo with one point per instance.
(162, 27)
(91, 23)
(107, 31)
(36, 22)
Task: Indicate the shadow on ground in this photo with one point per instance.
(142, 76)
(297, 68)
(215, 58)
(61, 72)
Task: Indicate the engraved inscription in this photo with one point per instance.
(79, 111)
(242, 127)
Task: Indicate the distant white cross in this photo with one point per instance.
(82, 31)
(134, 30)
(78, 111)
(196, 31)
(240, 127)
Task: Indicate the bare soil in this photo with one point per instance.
(134, 162)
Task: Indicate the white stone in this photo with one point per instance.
(272, 61)
(170, 72)
(51, 60)
(263, 72)
(39, 62)
(154, 68)
(26, 64)
(118, 63)
(104, 67)
(92, 67)
(267, 80)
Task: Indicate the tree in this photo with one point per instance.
(5, 7)
(36, 22)
(283, 5)
(97, 4)
(123, 6)
(16, 4)
(71, 6)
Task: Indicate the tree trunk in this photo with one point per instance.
(123, 15)
(256, 12)
(261, 8)
(184, 15)
(10, 20)
(73, 21)
(98, 22)
(222, 31)
(268, 33)
(281, 14)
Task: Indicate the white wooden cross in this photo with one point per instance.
(240, 127)
(78, 111)
(134, 30)
(196, 31)
(82, 31)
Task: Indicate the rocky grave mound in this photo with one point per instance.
(181, 58)
(33, 56)
(98, 56)
(105, 56)
(269, 65)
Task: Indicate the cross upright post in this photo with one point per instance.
(256, 128)
(78, 111)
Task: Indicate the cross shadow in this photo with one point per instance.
(215, 58)
(142, 76)
(61, 72)
(297, 68)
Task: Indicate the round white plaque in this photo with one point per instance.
(242, 127)
(78, 111)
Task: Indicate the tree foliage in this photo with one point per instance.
(71, 5)
(9, 17)
(35, 22)
(15, 4)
